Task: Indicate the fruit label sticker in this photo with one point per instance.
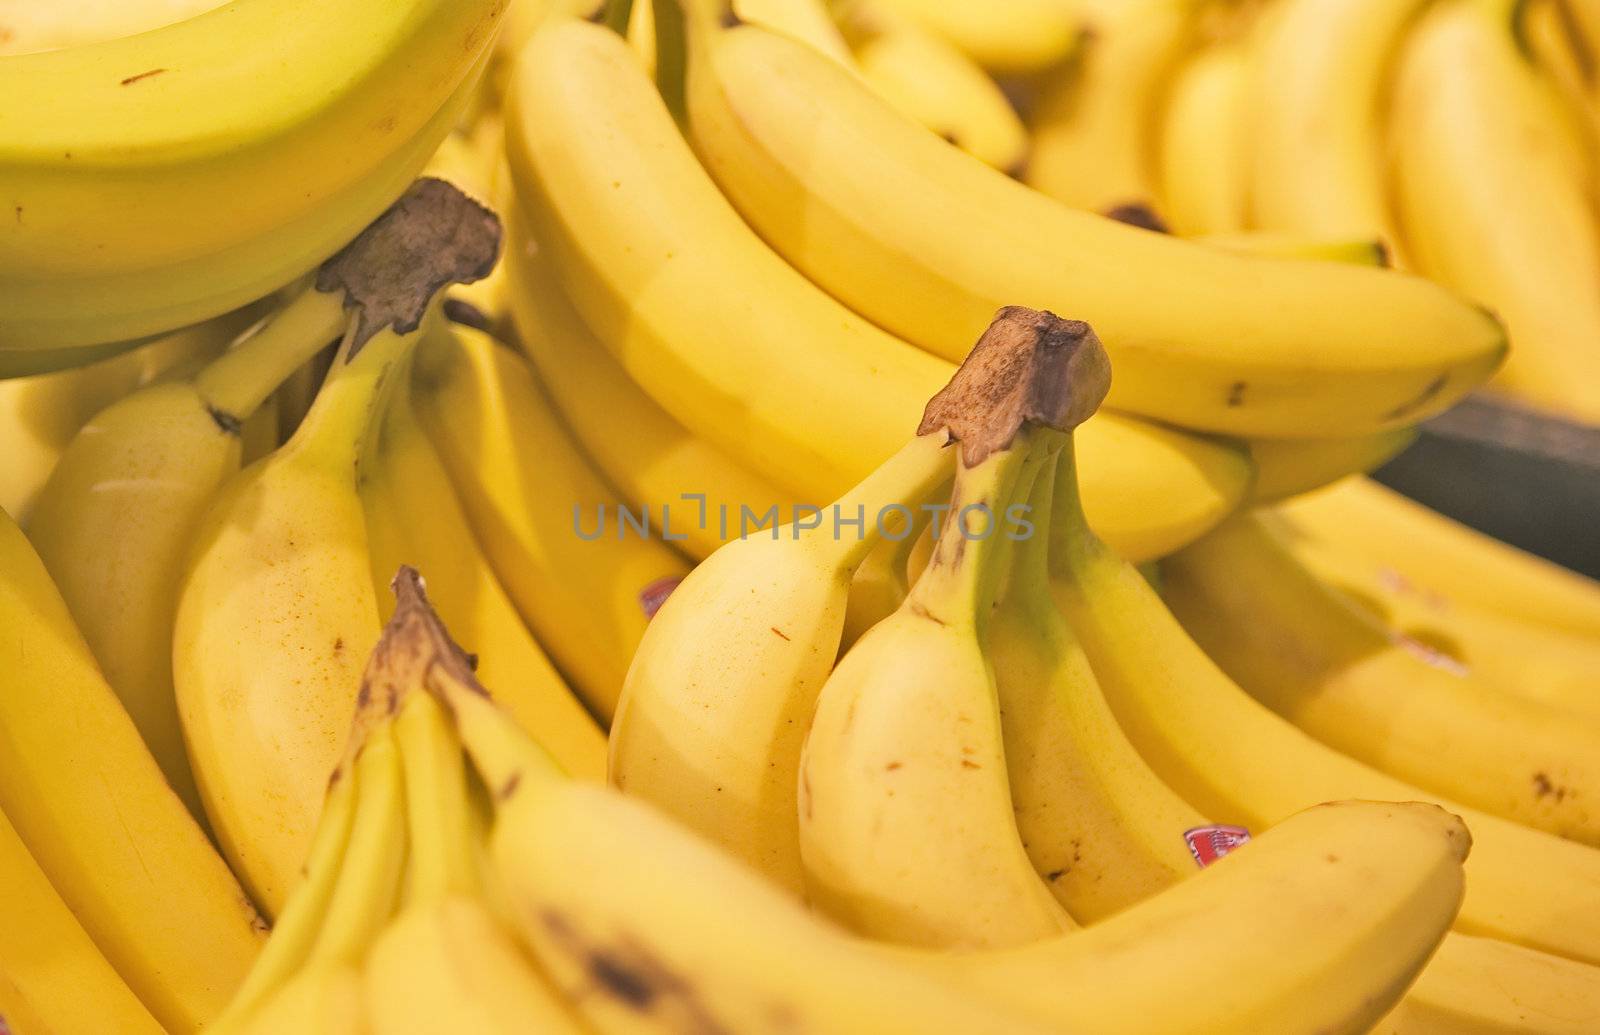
(1208, 844)
(656, 593)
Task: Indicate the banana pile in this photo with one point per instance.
(893, 476)
(1460, 135)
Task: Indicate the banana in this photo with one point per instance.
(664, 272)
(1289, 467)
(584, 583)
(1494, 202)
(115, 520)
(1317, 84)
(648, 455)
(932, 81)
(39, 415)
(1008, 37)
(413, 518)
(1514, 655)
(1240, 763)
(624, 936)
(90, 804)
(1407, 538)
(721, 690)
(276, 608)
(1480, 986)
(1202, 146)
(904, 759)
(53, 978)
(928, 244)
(1094, 127)
(1321, 662)
(125, 160)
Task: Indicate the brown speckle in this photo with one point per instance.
(1055, 875)
(1236, 394)
(967, 763)
(1544, 787)
(630, 986)
(142, 75)
(338, 645)
(892, 766)
(779, 633)
(509, 788)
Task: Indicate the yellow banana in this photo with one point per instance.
(1202, 147)
(617, 930)
(1317, 85)
(1480, 986)
(413, 518)
(91, 805)
(1094, 126)
(665, 272)
(1319, 661)
(932, 81)
(116, 519)
(1405, 537)
(648, 455)
(1238, 762)
(721, 690)
(1528, 659)
(904, 759)
(1289, 467)
(585, 583)
(53, 978)
(1493, 201)
(928, 244)
(125, 160)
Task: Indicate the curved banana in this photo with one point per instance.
(117, 518)
(91, 805)
(1290, 467)
(654, 461)
(1319, 661)
(929, 243)
(1201, 152)
(1094, 125)
(722, 688)
(413, 518)
(53, 978)
(125, 160)
(614, 929)
(1318, 75)
(585, 583)
(1237, 761)
(932, 81)
(905, 757)
(1422, 545)
(1493, 201)
(1009, 37)
(1524, 658)
(665, 273)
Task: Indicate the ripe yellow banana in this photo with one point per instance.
(665, 273)
(1094, 126)
(1494, 202)
(277, 612)
(1426, 547)
(585, 584)
(1528, 659)
(932, 81)
(1289, 467)
(1009, 37)
(1481, 986)
(929, 243)
(53, 978)
(118, 516)
(413, 518)
(905, 759)
(125, 160)
(1317, 82)
(721, 691)
(1316, 659)
(648, 455)
(91, 805)
(622, 930)
(1202, 145)
(1350, 927)
(1238, 762)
